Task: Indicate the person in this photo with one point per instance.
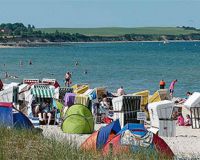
(104, 105)
(20, 63)
(171, 87)
(188, 121)
(180, 120)
(85, 72)
(68, 79)
(1, 85)
(30, 62)
(188, 94)
(44, 111)
(120, 91)
(6, 75)
(182, 100)
(162, 84)
(76, 63)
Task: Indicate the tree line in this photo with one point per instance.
(18, 32)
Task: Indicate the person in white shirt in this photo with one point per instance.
(120, 91)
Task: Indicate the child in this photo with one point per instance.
(180, 120)
(188, 121)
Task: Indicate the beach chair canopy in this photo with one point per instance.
(159, 95)
(79, 120)
(52, 82)
(160, 111)
(9, 94)
(42, 91)
(31, 81)
(125, 108)
(193, 100)
(80, 88)
(10, 117)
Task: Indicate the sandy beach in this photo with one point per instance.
(37, 44)
(184, 145)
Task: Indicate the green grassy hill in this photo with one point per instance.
(116, 31)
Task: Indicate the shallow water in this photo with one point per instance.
(136, 66)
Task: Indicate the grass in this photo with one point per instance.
(23, 145)
(116, 31)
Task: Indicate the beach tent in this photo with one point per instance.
(79, 120)
(11, 117)
(134, 137)
(99, 138)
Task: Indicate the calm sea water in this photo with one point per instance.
(136, 66)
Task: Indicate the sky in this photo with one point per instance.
(101, 13)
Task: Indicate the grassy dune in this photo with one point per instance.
(23, 145)
(116, 31)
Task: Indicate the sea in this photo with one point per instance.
(136, 66)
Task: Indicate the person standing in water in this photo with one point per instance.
(68, 79)
(30, 62)
(85, 72)
(6, 75)
(76, 63)
(171, 87)
(20, 63)
(162, 84)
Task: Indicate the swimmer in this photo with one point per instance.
(76, 63)
(30, 62)
(20, 63)
(85, 72)
(6, 75)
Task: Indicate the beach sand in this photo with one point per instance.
(186, 144)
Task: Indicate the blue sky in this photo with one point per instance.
(101, 13)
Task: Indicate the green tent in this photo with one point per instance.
(79, 120)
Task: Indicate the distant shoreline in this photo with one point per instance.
(38, 44)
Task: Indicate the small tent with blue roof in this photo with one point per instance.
(99, 138)
(11, 117)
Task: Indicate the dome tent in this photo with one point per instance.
(11, 117)
(79, 120)
(130, 138)
(99, 138)
(138, 136)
